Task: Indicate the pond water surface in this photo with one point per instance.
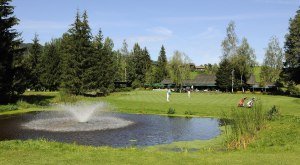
(144, 130)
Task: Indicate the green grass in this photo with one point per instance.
(277, 143)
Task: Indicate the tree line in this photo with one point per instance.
(80, 62)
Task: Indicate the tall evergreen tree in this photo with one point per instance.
(9, 50)
(161, 71)
(273, 62)
(51, 66)
(108, 65)
(78, 56)
(34, 62)
(224, 75)
(292, 50)
(136, 71)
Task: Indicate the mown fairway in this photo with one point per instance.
(200, 104)
(278, 143)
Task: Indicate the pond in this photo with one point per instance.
(138, 129)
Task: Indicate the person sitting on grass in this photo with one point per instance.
(241, 103)
(250, 103)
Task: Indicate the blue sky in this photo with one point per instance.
(191, 26)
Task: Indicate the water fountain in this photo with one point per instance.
(77, 117)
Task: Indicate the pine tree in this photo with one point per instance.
(292, 51)
(34, 62)
(9, 50)
(161, 71)
(224, 75)
(108, 66)
(78, 56)
(51, 66)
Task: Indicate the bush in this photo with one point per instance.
(136, 84)
(273, 113)
(171, 111)
(65, 96)
(188, 112)
(292, 90)
(9, 107)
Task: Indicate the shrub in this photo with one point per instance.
(171, 111)
(292, 90)
(273, 113)
(188, 112)
(9, 107)
(65, 96)
(136, 84)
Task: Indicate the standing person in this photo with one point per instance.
(189, 92)
(168, 95)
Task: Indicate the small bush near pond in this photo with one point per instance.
(188, 112)
(171, 111)
(8, 107)
(273, 113)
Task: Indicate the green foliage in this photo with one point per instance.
(34, 64)
(136, 84)
(188, 112)
(244, 125)
(273, 62)
(10, 70)
(9, 107)
(292, 90)
(292, 51)
(51, 66)
(171, 111)
(273, 113)
(229, 44)
(243, 62)
(179, 68)
(78, 56)
(65, 96)
(224, 75)
(161, 71)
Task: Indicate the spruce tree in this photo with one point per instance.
(224, 75)
(9, 50)
(161, 71)
(51, 66)
(292, 51)
(34, 62)
(78, 56)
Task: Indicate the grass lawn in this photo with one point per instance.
(278, 143)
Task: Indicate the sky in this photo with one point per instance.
(195, 27)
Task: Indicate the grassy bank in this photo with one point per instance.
(277, 143)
